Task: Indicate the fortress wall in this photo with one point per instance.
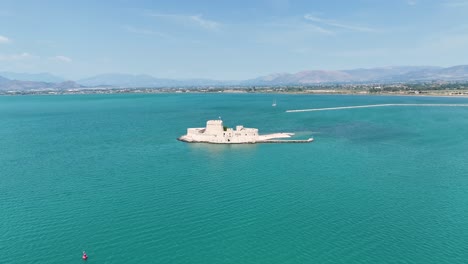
(225, 137)
(214, 126)
(194, 131)
(214, 133)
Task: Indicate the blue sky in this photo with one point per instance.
(228, 39)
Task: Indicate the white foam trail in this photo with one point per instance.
(368, 106)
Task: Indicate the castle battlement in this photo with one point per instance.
(216, 132)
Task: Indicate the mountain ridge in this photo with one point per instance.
(34, 77)
(306, 77)
(16, 85)
(143, 80)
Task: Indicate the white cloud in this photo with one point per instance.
(336, 24)
(190, 19)
(456, 3)
(138, 30)
(26, 56)
(16, 57)
(4, 39)
(299, 26)
(61, 58)
(205, 23)
(319, 29)
(412, 2)
(143, 31)
(291, 33)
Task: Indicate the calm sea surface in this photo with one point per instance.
(105, 174)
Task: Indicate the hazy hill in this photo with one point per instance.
(34, 77)
(380, 74)
(386, 73)
(455, 73)
(3, 80)
(121, 80)
(15, 85)
(142, 80)
(459, 72)
(303, 77)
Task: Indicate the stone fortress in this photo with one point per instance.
(215, 132)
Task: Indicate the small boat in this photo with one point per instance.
(84, 257)
(274, 103)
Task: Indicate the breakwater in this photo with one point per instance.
(287, 141)
(370, 106)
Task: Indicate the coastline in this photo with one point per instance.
(462, 93)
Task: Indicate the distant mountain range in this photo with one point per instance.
(383, 74)
(143, 80)
(33, 77)
(16, 85)
(26, 81)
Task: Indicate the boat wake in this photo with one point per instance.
(369, 106)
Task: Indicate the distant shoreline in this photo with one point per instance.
(462, 93)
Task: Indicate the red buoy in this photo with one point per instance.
(84, 257)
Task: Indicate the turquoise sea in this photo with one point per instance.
(105, 174)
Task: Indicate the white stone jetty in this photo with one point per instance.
(369, 106)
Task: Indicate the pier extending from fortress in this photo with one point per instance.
(215, 132)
